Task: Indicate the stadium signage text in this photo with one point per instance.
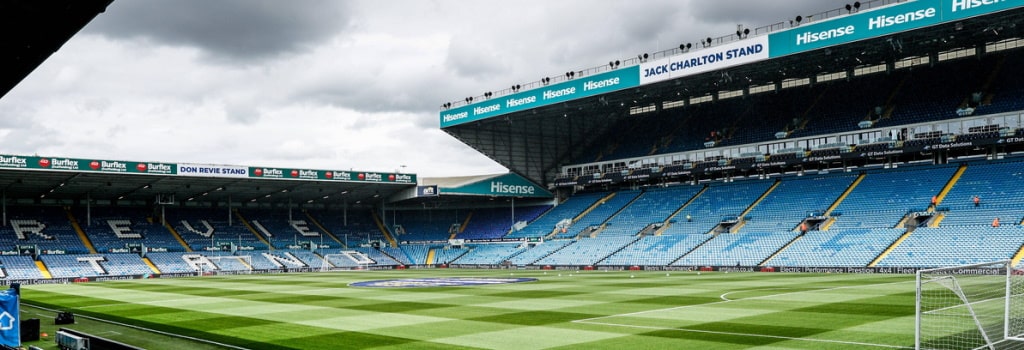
(879, 23)
(499, 187)
(728, 55)
(212, 170)
(565, 91)
(959, 5)
(13, 162)
(61, 164)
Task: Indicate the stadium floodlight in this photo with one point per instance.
(570, 75)
(546, 80)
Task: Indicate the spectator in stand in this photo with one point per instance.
(803, 228)
(935, 200)
(995, 222)
(977, 201)
(689, 218)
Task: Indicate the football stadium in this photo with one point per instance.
(851, 179)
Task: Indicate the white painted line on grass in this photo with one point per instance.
(750, 335)
(593, 321)
(726, 301)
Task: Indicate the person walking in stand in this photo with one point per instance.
(976, 200)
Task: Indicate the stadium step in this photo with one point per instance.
(739, 225)
(934, 222)
(1018, 256)
(322, 228)
(949, 186)
(384, 230)
(43, 270)
(177, 236)
(777, 252)
(80, 231)
(889, 249)
(465, 223)
(668, 221)
(253, 230)
(845, 194)
(151, 265)
(431, 255)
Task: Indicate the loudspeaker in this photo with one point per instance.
(64, 318)
(30, 329)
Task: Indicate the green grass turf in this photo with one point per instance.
(562, 310)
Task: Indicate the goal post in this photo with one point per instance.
(977, 306)
(231, 264)
(343, 261)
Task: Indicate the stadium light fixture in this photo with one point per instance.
(613, 64)
(642, 57)
(546, 80)
(570, 75)
(745, 32)
(488, 94)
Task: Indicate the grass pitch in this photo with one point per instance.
(562, 310)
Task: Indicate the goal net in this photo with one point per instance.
(346, 260)
(233, 264)
(979, 306)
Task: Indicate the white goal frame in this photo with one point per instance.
(976, 306)
(243, 259)
(327, 266)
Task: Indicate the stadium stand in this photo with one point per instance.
(93, 265)
(884, 197)
(716, 203)
(651, 209)
(17, 267)
(855, 247)
(655, 250)
(204, 229)
(45, 229)
(567, 210)
(113, 229)
(947, 246)
(591, 222)
(488, 254)
(425, 225)
(741, 249)
(351, 227)
(998, 188)
(493, 223)
(586, 251)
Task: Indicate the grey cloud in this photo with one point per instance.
(753, 14)
(226, 29)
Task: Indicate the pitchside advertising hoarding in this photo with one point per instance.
(881, 22)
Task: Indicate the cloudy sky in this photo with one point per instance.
(327, 84)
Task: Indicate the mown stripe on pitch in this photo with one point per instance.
(396, 307)
(534, 318)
